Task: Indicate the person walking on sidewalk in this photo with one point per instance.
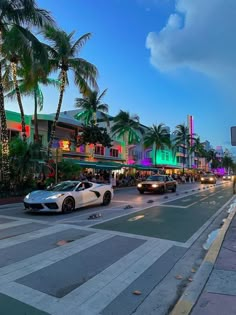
(234, 184)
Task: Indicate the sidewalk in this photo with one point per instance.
(213, 291)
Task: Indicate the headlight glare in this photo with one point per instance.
(55, 196)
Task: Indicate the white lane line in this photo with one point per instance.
(182, 207)
(99, 291)
(47, 258)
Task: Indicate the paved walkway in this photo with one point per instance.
(219, 294)
(213, 290)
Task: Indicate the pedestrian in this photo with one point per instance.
(234, 184)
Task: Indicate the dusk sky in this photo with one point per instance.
(160, 59)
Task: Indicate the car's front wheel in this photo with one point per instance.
(106, 198)
(141, 191)
(68, 205)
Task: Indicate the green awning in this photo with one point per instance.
(96, 165)
(145, 168)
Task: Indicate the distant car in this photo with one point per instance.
(68, 196)
(227, 177)
(157, 183)
(208, 179)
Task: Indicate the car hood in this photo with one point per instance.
(42, 194)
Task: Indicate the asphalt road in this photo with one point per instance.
(70, 264)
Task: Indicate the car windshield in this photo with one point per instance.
(209, 175)
(65, 186)
(155, 178)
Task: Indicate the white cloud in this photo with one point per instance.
(200, 35)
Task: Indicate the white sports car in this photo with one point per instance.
(68, 196)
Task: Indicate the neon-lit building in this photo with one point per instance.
(69, 130)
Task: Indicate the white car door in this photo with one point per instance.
(84, 195)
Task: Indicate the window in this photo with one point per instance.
(167, 156)
(114, 152)
(148, 154)
(99, 150)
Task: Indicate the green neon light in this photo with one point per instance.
(165, 157)
(16, 117)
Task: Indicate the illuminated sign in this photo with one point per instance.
(65, 145)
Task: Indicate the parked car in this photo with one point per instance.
(227, 177)
(68, 196)
(208, 179)
(157, 183)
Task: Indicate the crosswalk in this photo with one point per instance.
(133, 256)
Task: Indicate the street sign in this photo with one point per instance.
(233, 136)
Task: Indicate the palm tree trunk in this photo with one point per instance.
(36, 129)
(184, 159)
(155, 156)
(95, 118)
(53, 131)
(14, 70)
(4, 135)
(126, 139)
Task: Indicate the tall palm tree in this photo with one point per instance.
(212, 158)
(63, 56)
(30, 79)
(21, 14)
(158, 137)
(127, 127)
(227, 162)
(90, 104)
(198, 149)
(19, 47)
(183, 138)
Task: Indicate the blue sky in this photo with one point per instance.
(160, 59)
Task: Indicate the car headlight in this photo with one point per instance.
(202, 178)
(27, 196)
(55, 196)
(211, 178)
(154, 185)
(139, 185)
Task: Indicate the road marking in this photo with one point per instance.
(138, 217)
(203, 198)
(219, 197)
(186, 200)
(183, 207)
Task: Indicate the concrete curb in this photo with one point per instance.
(192, 293)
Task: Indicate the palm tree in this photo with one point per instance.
(63, 56)
(33, 76)
(126, 126)
(19, 47)
(212, 158)
(198, 149)
(90, 104)
(158, 137)
(21, 14)
(227, 162)
(183, 138)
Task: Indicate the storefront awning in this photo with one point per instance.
(140, 167)
(96, 165)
